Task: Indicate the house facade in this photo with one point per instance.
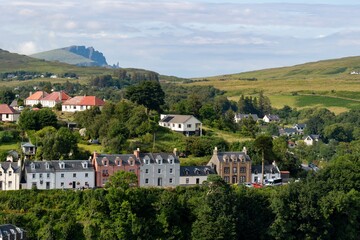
(186, 124)
(107, 164)
(28, 149)
(271, 118)
(8, 113)
(194, 175)
(53, 98)
(11, 232)
(233, 167)
(159, 169)
(82, 103)
(10, 175)
(35, 98)
(311, 139)
(240, 116)
(67, 174)
(271, 171)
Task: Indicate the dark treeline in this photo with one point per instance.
(325, 205)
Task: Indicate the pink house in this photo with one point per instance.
(108, 164)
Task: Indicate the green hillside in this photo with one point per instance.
(326, 83)
(62, 55)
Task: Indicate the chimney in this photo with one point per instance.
(215, 151)
(60, 96)
(244, 150)
(94, 158)
(137, 153)
(175, 152)
(30, 93)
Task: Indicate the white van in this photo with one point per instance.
(274, 182)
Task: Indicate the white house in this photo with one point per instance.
(311, 139)
(271, 118)
(271, 171)
(35, 98)
(159, 170)
(186, 124)
(8, 113)
(240, 116)
(67, 174)
(10, 175)
(300, 127)
(82, 103)
(53, 98)
(193, 175)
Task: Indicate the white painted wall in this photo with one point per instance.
(10, 117)
(191, 180)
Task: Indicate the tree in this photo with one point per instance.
(122, 180)
(263, 144)
(147, 93)
(7, 96)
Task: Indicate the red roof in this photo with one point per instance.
(37, 96)
(6, 109)
(85, 101)
(56, 96)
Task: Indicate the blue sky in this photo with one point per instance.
(190, 38)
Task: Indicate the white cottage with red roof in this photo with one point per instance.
(8, 113)
(35, 98)
(82, 103)
(53, 98)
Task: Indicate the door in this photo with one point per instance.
(47, 185)
(159, 181)
(74, 184)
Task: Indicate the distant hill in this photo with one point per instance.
(75, 55)
(320, 69)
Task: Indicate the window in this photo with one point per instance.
(40, 175)
(187, 180)
(226, 170)
(74, 174)
(189, 125)
(86, 175)
(118, 163)
(171, 161)
(10, 184)
(234, 179)
(179, 125)
(34, 175)
(243, 169)
(170, 180)
(146, 180)
(48, 175)
(10, 173)
(171, 170)
(159, 170)
(62, 175)
(242, 179)
(255, 179)
(0, 173)
(198, 181)
(131, 162)
(234, 169)
(146, 170)
(62, 184)
(226, 179)
(105, 163)
(7, 115)
(147, 162)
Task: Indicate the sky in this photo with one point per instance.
(188, 38)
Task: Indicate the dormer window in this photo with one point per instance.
(233, 158)
(118, 163)
(171, 159)
(105, 162)
(62, 165)
(32, 166)
(131, 162)
(242, 158)
(84, 164)
(159, 160)
(197, 171)
(226, 158)
(186, 172)
(47, 166)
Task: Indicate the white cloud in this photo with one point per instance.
(27, 48)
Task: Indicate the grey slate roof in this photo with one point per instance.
(5, 166)
(196, 171)
(9, 231)
(246, 116)
(27, 144)
(171, 118)
(124, 158)
(269, 168)
(70, 166)
(232, 156)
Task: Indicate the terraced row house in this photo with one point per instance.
(151, 169)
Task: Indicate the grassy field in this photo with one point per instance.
(9, 146)
(324, 84)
